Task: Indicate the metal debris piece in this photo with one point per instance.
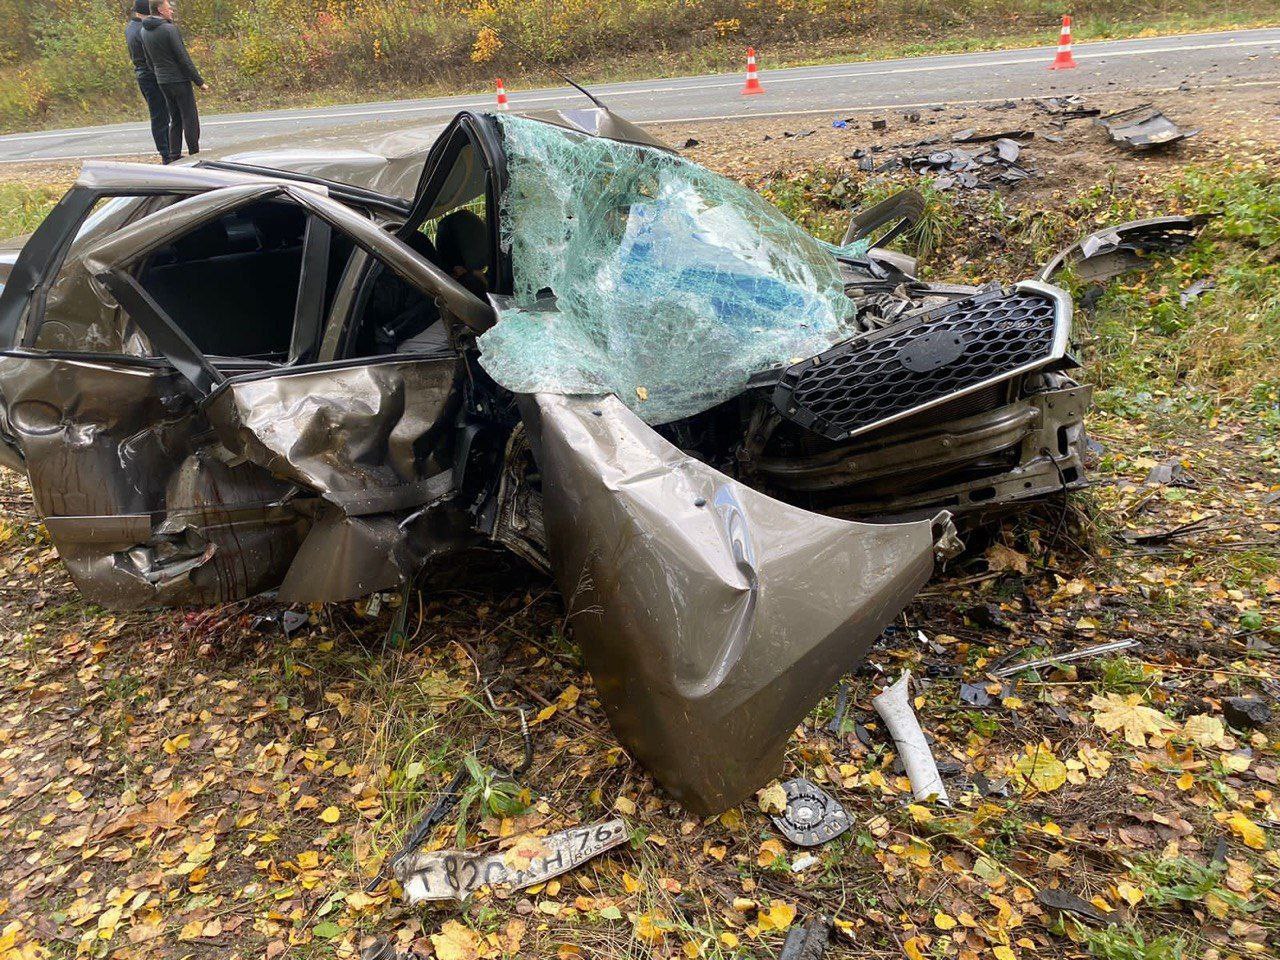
(1195, 290)
(1082, 654)
(1246, 712)
(1115, 250)
(1170, 473)
(1143, 127)
(705, 682)
(1066, 108)
(991, 786)
(456, 874)
(807, 941)
(894, 707)
(811, 817)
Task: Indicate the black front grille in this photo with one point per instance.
(947, 352)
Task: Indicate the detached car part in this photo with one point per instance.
(456, 874)
(1142, 127)
(1111, 251)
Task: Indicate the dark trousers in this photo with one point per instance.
(184, 118)
(159, 111)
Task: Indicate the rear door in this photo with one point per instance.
(169, 475)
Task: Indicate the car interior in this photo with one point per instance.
(233, 284)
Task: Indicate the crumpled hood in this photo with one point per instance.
(153, 22)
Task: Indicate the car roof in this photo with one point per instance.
(388, 158)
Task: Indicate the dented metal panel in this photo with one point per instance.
(139, 499)
(370, 439)
(712, 617)
(365, 437)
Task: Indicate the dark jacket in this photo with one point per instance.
(133, 40)
(167, 53)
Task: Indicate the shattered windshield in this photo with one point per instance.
(641, 274)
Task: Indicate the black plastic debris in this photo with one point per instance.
(1066, 108)
(1065, 902)
(975, 694)
(286, 621)
(971, 135)
(807, 941)
(1143, 127)
(879, 124)
(842, 708)
(1246, 712)
(690, 142)
(994, 163)
(812, 817)
(986, 615)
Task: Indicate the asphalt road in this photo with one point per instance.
(1238, 57)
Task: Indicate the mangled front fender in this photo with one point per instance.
(712, 617)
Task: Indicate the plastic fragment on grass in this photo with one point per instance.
(635, 268)
(894, 706)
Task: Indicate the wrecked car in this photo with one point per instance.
(739, 450)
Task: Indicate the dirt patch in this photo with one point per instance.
(1239, 120)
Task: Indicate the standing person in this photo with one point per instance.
(176, 75)
(147, 78)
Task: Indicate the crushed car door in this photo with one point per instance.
(364, 441)
(142, 503)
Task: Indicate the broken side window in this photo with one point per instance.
(642, 274)
(74, 317)
(232, 284)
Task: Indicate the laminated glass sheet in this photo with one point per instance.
(644, 275)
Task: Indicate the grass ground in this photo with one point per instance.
(179, 784)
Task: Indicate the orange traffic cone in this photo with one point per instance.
(753, 77)
(502, 96)
(1064, 60)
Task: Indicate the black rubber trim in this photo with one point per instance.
(308, 314)
(41, 255)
